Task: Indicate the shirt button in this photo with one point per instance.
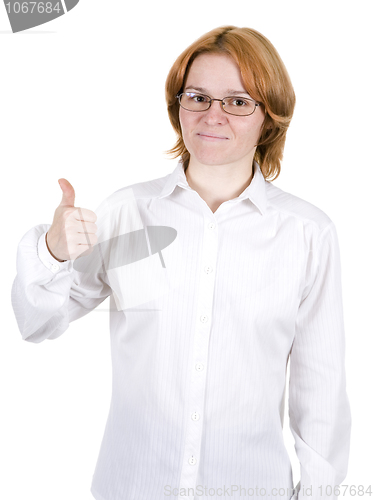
(192, 460)
(211, 225)
(199, 367)
(208, 269)
(55, 267)
(195, 416)
(203, 318)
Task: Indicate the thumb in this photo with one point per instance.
(68, 193)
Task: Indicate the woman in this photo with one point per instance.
(200, 345)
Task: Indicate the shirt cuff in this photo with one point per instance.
(48, 260)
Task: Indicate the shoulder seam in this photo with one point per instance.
(299, 217)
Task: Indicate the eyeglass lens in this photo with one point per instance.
(233, 105)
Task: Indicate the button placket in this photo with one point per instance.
(198, 372)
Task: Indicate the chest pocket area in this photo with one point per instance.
(136, 265)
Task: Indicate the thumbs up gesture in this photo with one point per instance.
(73, 230)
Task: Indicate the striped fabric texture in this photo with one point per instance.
(201, 330)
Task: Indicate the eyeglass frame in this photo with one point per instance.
(178, 96)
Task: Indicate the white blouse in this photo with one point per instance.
(205, 310)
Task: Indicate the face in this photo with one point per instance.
(214, 137)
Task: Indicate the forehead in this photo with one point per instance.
(215, 72)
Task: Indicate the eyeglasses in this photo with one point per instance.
(239, 106)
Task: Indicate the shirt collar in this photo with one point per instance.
(255, 192)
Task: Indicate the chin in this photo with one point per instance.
(213, 159)
(208, 157)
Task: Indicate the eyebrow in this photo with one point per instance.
(229, 91)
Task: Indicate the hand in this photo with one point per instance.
(73, 230)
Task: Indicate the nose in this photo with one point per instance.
(215, 114)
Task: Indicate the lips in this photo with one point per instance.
(208, 135)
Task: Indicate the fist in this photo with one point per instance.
(73, 230)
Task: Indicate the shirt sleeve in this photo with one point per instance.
(319, 410)
(47, 258)
(47, 294)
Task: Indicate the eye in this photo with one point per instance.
(196, 97)
(238, 102)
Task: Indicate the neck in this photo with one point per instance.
(216, 184)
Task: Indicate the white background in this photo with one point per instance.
(67, 111)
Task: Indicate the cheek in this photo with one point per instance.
(187, 122)
(247, 135)
(260, 122)
(183, 118)
(182, 121)
(254, 131)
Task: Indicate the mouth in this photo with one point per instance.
(212, 137)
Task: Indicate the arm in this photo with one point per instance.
(320, 418)
(48, 294)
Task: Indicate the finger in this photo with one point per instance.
(84, 227)
(68, 193)
(85, 239)
(90, 227)
(84, 214)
